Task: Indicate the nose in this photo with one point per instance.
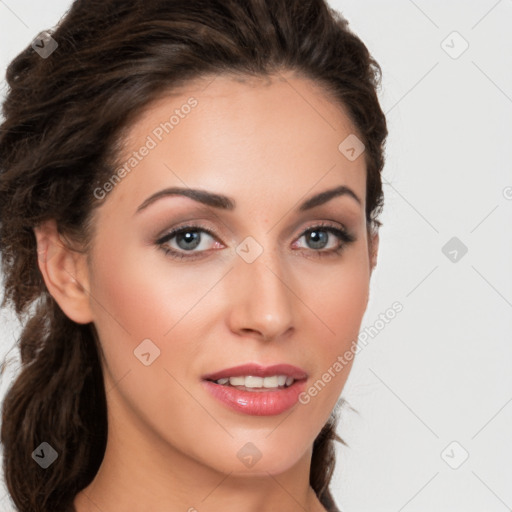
(261, 299)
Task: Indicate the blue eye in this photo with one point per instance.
(187, 238)
(190, 237)
(319, 237)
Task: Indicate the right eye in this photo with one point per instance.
(188, 238)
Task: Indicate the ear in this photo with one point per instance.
(64, 272)
(374, 249)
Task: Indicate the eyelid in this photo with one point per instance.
(190, 225)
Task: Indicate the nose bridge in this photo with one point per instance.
(263, 300)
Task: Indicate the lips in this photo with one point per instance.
(258, 371)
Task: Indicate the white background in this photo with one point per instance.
(441, 370)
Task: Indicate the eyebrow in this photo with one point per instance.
(225, 203)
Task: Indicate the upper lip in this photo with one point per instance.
(257, 370)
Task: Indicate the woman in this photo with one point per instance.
(189, 201)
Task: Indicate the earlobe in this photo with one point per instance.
(64, 272)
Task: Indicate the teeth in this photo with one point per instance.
(270, 382)
(250, 381)
(237, 381)
(253, 382)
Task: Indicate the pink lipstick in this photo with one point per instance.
(257, 390)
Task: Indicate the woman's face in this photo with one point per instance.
(246, 284)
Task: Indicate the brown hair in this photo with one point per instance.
(64, 117)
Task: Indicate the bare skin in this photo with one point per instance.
(268, 146)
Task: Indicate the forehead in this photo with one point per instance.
(242, 136)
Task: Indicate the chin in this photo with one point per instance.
(259, 459)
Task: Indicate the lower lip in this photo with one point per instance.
(257, 403)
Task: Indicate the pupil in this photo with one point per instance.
(190, 237)
(315, 234)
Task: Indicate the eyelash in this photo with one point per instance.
(345, 237)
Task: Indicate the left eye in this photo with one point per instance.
(189, 238)
(318, 236)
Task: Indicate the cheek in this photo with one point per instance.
(130, 304)
(139, 292)
(339, 301)
(136, 301)
(140, 296)
(341, 308)
(338, 294)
